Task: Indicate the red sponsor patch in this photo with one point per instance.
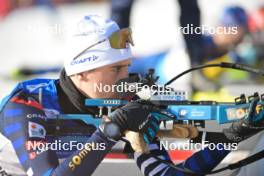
(27, 102)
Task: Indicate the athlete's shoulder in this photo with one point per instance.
(35, 85)
(30, 92)
(23, 99)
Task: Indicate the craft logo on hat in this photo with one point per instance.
(87, 59)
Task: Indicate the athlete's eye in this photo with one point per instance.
(118, 69)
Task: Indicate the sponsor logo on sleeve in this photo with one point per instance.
(36, 130)
(36, 116)
(77, 159)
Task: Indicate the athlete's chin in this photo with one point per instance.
(109, 95)
(114, 96)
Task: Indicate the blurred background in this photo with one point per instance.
(33, 35)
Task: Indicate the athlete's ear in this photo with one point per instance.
(84, 76)
(77, 77)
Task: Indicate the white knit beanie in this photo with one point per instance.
(90, 30)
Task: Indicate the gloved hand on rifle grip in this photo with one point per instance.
(136, 117)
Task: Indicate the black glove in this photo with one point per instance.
(240, 131)
(135, 117)
(247, 127)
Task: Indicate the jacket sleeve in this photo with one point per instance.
(25, 126)
(202, 161)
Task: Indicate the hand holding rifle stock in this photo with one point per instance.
(139, 121)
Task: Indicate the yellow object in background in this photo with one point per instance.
(222, 96)
(215, 72)
(237, 75)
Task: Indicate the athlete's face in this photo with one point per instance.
(98, 83)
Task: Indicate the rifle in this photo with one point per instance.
(181, 110)
(186, 111)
